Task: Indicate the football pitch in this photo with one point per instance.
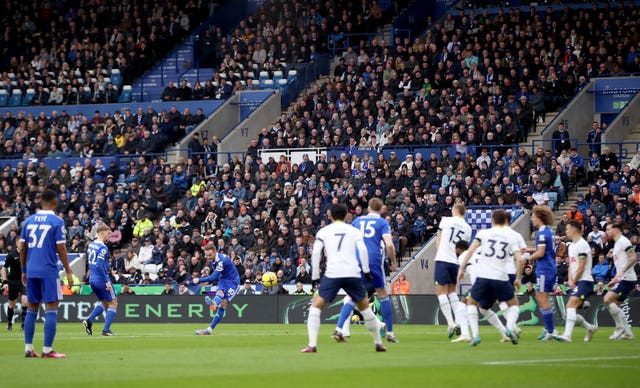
(243, 355)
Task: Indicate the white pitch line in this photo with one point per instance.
(562, 360)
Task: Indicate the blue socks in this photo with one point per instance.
(547, 316)
(96, 312)
(346, 310)
(50, 321)
(387, 314)
(217, 318)
(217, 299)
(111, 314)
(29, 326)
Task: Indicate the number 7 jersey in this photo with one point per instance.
(495, 250)
(452, 230)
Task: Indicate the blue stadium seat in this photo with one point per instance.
(116, 78)
(291, 75)
(282, 83)
(268, 84)
(126, 95)
(263, 76)
(553, 200)
(28, 97)
(16, 98)
(4, 97)
(277, 76)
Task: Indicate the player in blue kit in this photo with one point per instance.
(43, 235)
(546, 270)
(228, 282)
(376, 233)
(98, 259)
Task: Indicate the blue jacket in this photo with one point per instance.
(600, 272)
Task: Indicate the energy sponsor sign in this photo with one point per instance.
(292, 309)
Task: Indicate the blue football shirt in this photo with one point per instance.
(98, 259)
(373, 227)
(546, 263)
(226, 269)
(41, 232)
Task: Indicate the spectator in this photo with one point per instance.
(246, 288)
(401, 286)
(168, 289)
(601, 271)
(561, 139)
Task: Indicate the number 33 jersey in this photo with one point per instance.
(452, 230)
(496, 247)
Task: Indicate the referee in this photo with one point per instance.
(12, 282)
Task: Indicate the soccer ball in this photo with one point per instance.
(269, 279)
(355, 318)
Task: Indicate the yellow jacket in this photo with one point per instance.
(142, 226)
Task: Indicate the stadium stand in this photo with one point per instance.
(421, 122)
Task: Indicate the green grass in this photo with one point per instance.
(255, 355)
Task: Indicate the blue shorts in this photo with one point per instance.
(446, 273)
(329, 287)
(583, 289)
(512, 278)
(546, 281)
(623, 288)
(43, 290)
(377, 275)
(230, 289)
(101, 292)
(487, 291)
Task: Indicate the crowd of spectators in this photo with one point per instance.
(456, 86)
(57, 47)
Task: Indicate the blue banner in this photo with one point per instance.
(613, 94)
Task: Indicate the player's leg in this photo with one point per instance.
(51, 297)
(578, 295)
(112, 309)
(327, 291)
(512, 314)
(378, 283)
(97, 310)
(613, 299)
(343, 319)
(355, 289)
(442, 282)
(460, 311)
(10, 310)
(481, 294)
(472, 319)
(220, 303)
(34, 297)
(24, 306)
(544, 287)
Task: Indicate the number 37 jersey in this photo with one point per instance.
(496, 248)
(41, 232)
(452, 230)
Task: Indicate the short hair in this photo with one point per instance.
(508, 217)
(617, 225)
(338, 212)
(499, 217)
(103, 228)
(49, 196)
(544, 214)
(459, 209)
(577, 224)
(462, 245)
(375, 204)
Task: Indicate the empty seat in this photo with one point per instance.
(28, 96)
(267, 84)
(282, 83)
(116, 78)
(264, 75)
(16, 98)
(292, 74)
(126, 95)
(277, 76)
(4, 97)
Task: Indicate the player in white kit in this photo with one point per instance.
(580, 282)
(450, 231)
(492, 281)
(624, 259)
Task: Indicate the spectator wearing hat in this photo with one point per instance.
(575, 214)
(246, 288)
(146, 251)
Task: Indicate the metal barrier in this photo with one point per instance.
(623, 150)
(337, 43)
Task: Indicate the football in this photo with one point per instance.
(269, 279)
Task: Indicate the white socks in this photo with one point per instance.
(371, 322)
(445, 307)
(472, 315)
(493, 319)
(513, 312)
(313, 325)
(618, 316)
(460, 310)
(570, 323)
(503, 306)
(346, 327)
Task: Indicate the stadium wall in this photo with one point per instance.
(292, 309)
(625, 122)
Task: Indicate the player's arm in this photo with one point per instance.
(466, 258)
(364, 255)
(631, 262)
(215, 274)
(315, 258)
(64, 258)
(391, 250)
(519, 267)
(5, 283)
(542, 246)
(438, 237)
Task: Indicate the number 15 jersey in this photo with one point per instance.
(496, 247)
(452, 230)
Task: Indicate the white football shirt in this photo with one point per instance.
(620, 251)
(452, 229)
(340, 242)
(495, 247)
(471, 266)
(580, 250)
